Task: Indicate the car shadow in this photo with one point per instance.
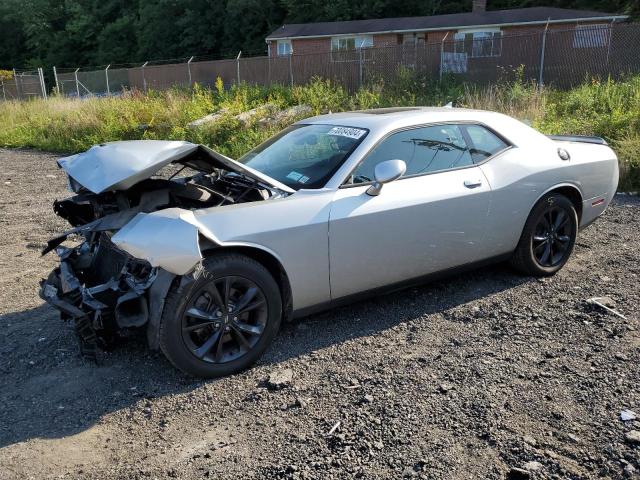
(47, 391)
(381, 312)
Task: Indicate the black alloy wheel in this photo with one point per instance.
(221, 319)
(548, 236)
(552, 237)
(225, 319)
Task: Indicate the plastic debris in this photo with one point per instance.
(600, 302)
(626, 415)
(334, 428)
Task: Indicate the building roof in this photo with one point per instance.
(516, 16)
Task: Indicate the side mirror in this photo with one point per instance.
(386, 172)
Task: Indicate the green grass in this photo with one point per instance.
(606, 108)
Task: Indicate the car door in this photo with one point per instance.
(431, 219)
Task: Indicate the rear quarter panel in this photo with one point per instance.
(523, 174)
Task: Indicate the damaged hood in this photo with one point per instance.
(120, 165)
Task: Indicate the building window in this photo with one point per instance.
(410, 44)
(345, 49)
(413, 39)
(284, 47)
(591, 36)
(351, 43)
(479, 44)
(452, 62)
(344, 43)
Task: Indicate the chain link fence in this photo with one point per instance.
(552, 56)
(23, 85)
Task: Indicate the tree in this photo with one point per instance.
(158, 36)
(247, 23)
(12, 36)
(117, 42)
(202, 27)
(71, 33)
(302, 11)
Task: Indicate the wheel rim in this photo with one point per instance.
(225, 319)
(552, 237)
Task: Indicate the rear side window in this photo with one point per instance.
(484, 143)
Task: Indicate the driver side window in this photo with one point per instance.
(424, 150)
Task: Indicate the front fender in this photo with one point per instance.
(170, 239)
(293, 230)
(167, 239)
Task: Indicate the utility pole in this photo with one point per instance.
(144, 80)
(360, 64)
(106, 77)
(55, 76)
(291, 65)
(238, 65)
(442, 53)
(43, 85)
(189, 70)
(75, 74)
(542, 51)
(609, 43)
(18, 89)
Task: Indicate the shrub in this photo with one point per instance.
(322, 96)
(366, 98)
(607, 108)
(628, 150)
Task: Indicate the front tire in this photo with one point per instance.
(548, 237)
(224, 320)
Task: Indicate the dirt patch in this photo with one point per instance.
(468, 377)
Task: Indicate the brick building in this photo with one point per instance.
(468, 39)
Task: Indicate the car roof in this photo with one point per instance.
(392, 118)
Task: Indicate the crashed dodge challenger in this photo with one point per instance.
(209, 254)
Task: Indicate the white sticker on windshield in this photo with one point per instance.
(347, 132)
(295, 176)
(303, 179)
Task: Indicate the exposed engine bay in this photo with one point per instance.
(98, 285)
(198, 191)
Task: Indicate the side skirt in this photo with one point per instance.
(431, 277)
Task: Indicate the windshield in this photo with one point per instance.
(305, 156)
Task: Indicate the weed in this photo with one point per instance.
(606, 108)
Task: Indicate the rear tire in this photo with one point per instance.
(548, 237)
(224, 320)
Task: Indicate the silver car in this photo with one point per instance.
(209, 254)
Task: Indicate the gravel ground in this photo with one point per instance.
(484, 375)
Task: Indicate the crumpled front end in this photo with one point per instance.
(105, 290)
(119, 276)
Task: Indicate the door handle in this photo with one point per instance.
(472, 183)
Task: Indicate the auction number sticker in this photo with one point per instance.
(347, 132)
(297, 177)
